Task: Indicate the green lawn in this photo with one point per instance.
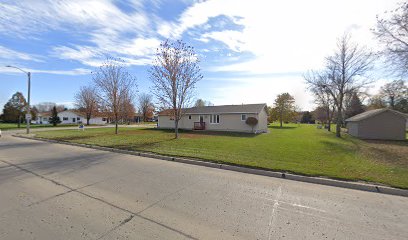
(13, 126)
(301, 149)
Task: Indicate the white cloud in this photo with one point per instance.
(233, 39)
(104, 27)
(138, 51)
(86, 55)
(283, 35)
(259, 90)
(9, 54)
(73, 72)
(26, 17)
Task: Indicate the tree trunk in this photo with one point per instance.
(176, 128)
(338, 122)
(281, 119)
(329, 126)
(392, 102)
(328, 119)
(87, 120)
(116, 124)
(19, 121)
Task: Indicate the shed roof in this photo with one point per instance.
(372, 113)
(242, 108)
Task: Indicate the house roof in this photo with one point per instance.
(243, 108)
(373, 113)
(82, 114)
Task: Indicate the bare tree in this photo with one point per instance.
(392, 31)
(376, 102)
(127, 110)
(323, 98)
(394, 92)
(174, 74)
(200, 103)
(115, 85)
(145, 105)
(86, 100)
(48, 106)
(345, 73)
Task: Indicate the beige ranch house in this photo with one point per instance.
(231, 118)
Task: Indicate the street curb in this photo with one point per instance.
(316, 180)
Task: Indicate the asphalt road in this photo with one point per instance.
(53, 191)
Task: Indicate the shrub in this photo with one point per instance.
(251, 121)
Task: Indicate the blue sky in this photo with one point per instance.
(250, 51)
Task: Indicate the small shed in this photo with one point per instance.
(381, 124)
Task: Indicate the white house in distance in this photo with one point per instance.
(71, 117)
(231, 118)
(42, 118)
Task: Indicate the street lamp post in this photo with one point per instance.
(28, 117)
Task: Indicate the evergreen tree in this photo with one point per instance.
(307, 118)
(355, 107)
(54, 119)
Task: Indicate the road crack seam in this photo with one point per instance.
(69, 191)
(117, 226)
(275, 206)
(165, 197)
(148, 207)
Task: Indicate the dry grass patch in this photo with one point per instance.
(389, 152)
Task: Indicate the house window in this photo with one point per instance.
(215, 118)
(189, 117)
(243, 117)
(65, 119)
(73, 120)
(104, 119)
(78, 118)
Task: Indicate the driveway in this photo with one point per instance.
(52, 191)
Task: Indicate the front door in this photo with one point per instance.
(201, 118)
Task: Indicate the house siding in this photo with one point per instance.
(70, 117)
(42, 120)
(263, 121)
(228, 122)
(78, 118)
(96, 120)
